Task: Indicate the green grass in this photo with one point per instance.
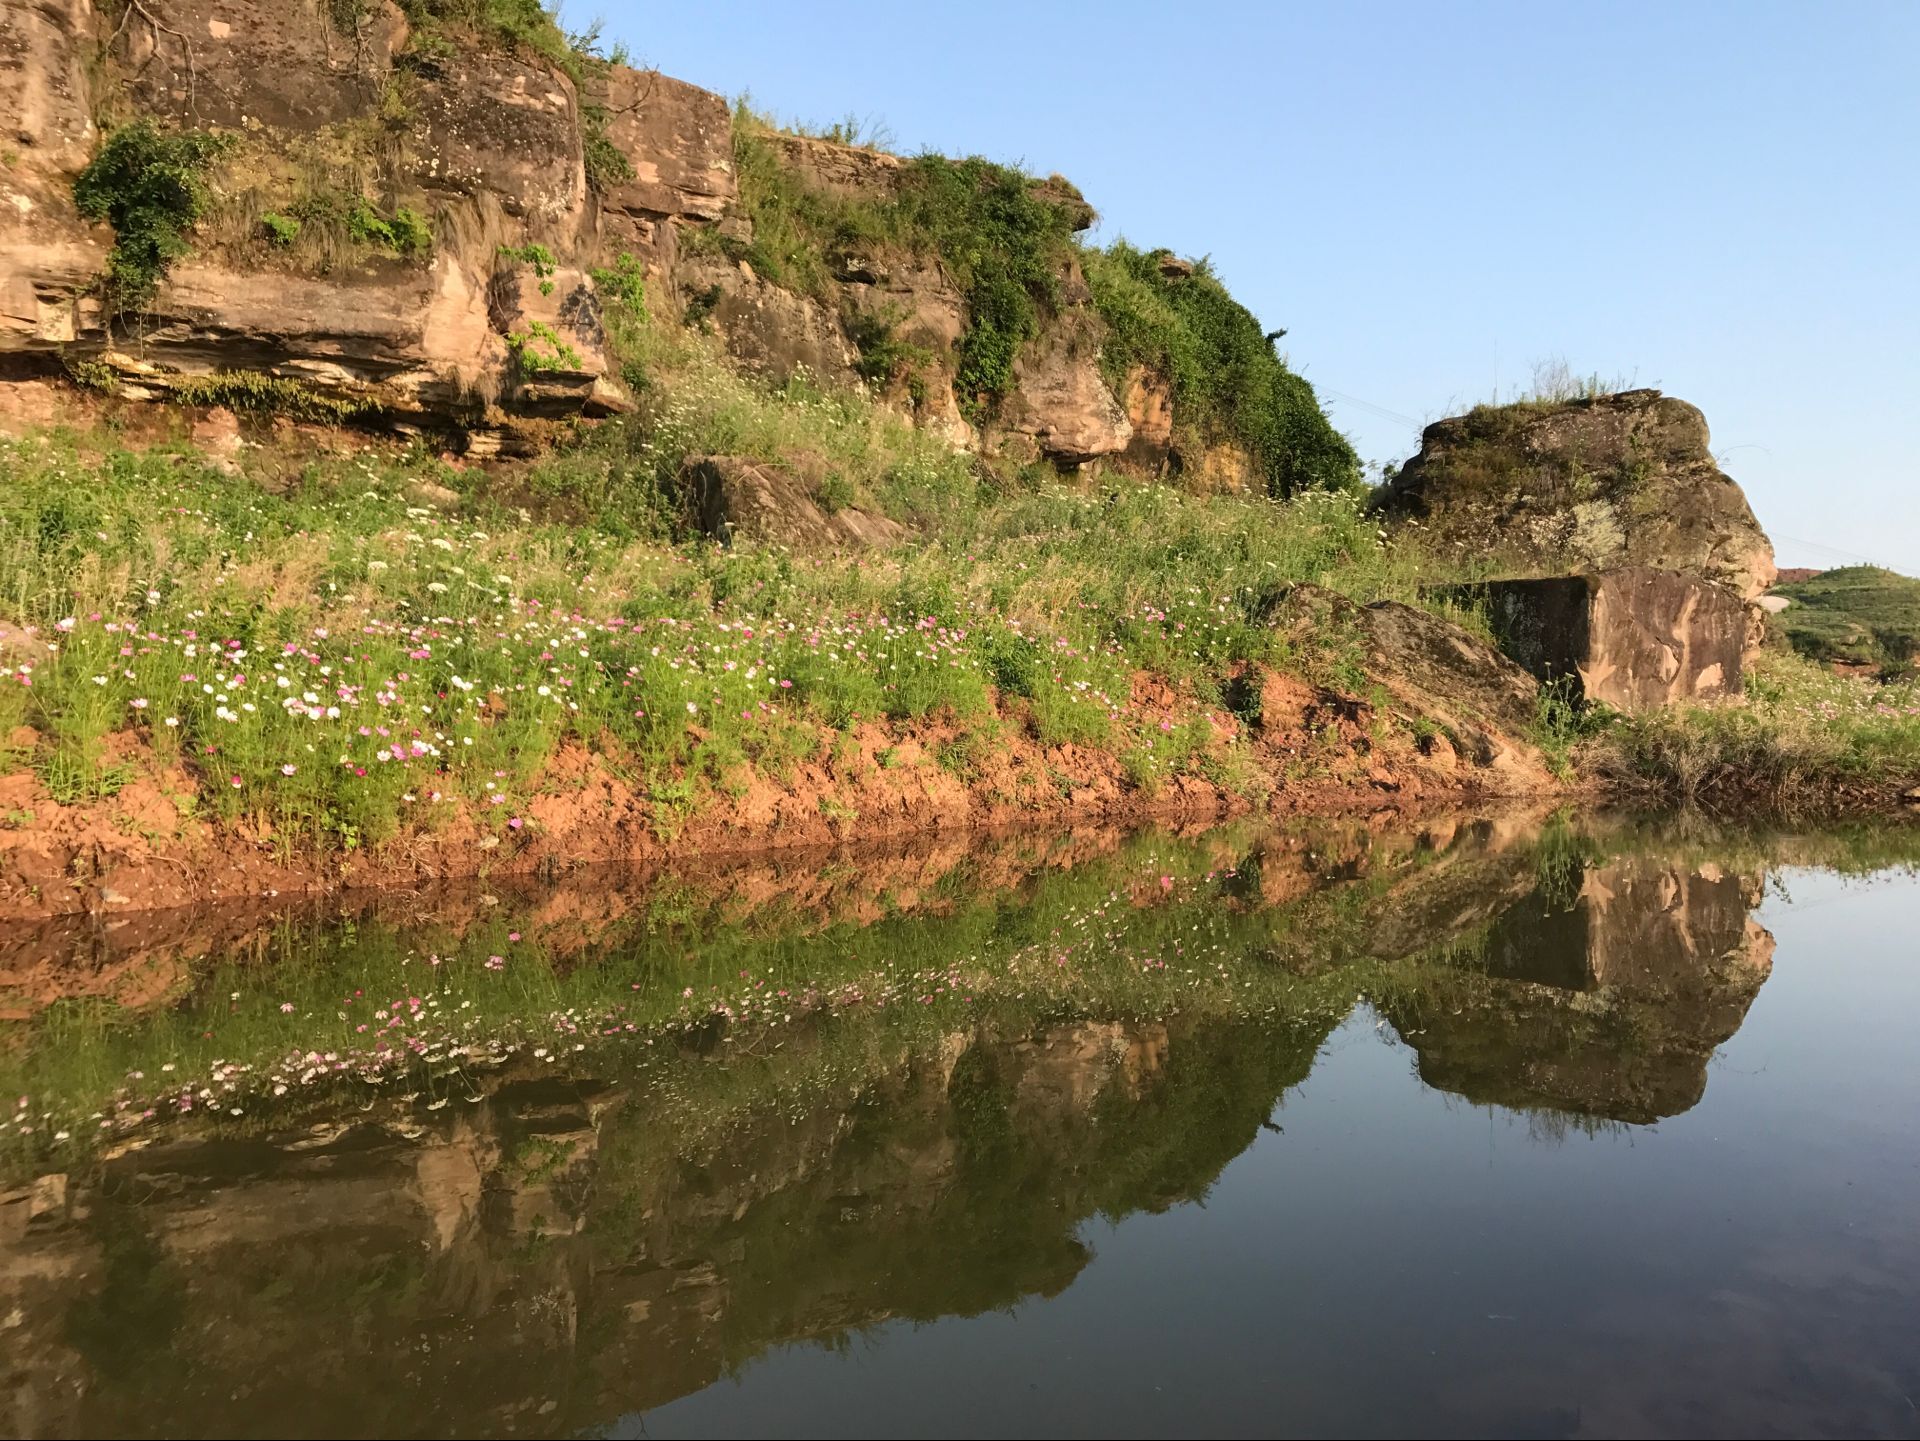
(1804, 738)
(337, 663)
(1860, 615)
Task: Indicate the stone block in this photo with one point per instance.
(1630, 638)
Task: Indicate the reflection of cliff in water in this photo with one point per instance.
(1604, 991)
(564, 1251)
(559, 1250)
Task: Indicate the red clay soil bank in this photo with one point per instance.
(1312, 752)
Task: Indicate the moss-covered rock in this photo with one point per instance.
(1547, 487)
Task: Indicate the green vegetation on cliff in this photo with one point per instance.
(1007, 240)
(1229, 386)
(149, 184)
(1004, 244)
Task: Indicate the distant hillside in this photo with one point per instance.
(1860, 615)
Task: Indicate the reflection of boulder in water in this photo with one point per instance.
(1603, 992)
(557, 1253)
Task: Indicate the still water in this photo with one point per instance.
(1490, 1127)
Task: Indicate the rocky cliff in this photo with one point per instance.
(1550, 487)
(390, 220)
(416, 213)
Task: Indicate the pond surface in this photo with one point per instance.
(1490, 1127)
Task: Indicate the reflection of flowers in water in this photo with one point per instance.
(480, 1014)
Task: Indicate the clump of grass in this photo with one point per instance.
(1563, 722)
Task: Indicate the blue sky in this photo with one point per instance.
(1717, 199)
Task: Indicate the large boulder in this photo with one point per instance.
(1633, 639)
(734, 498)
(1432, 671)
(1552, 487)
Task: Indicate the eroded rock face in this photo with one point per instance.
(1059, 400)
(1438, 675)
(487, 146)
(1634, 639)
(679, 140)
(741, 499)
(1590, 484)
(1148, 400)
(768, 330)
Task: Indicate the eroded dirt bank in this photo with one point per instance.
(152, 845)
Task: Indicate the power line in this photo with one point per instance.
(1371, 408)
(1833, 550)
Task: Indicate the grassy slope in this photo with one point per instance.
(322, 654)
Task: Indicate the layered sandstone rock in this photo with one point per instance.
(1554, 487)
(487, 144)
(492, 148)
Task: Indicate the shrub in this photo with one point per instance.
(150, 186)
(606, 163)
(329, 226)
(539, 349)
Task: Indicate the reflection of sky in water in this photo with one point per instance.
(1400, 1262)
